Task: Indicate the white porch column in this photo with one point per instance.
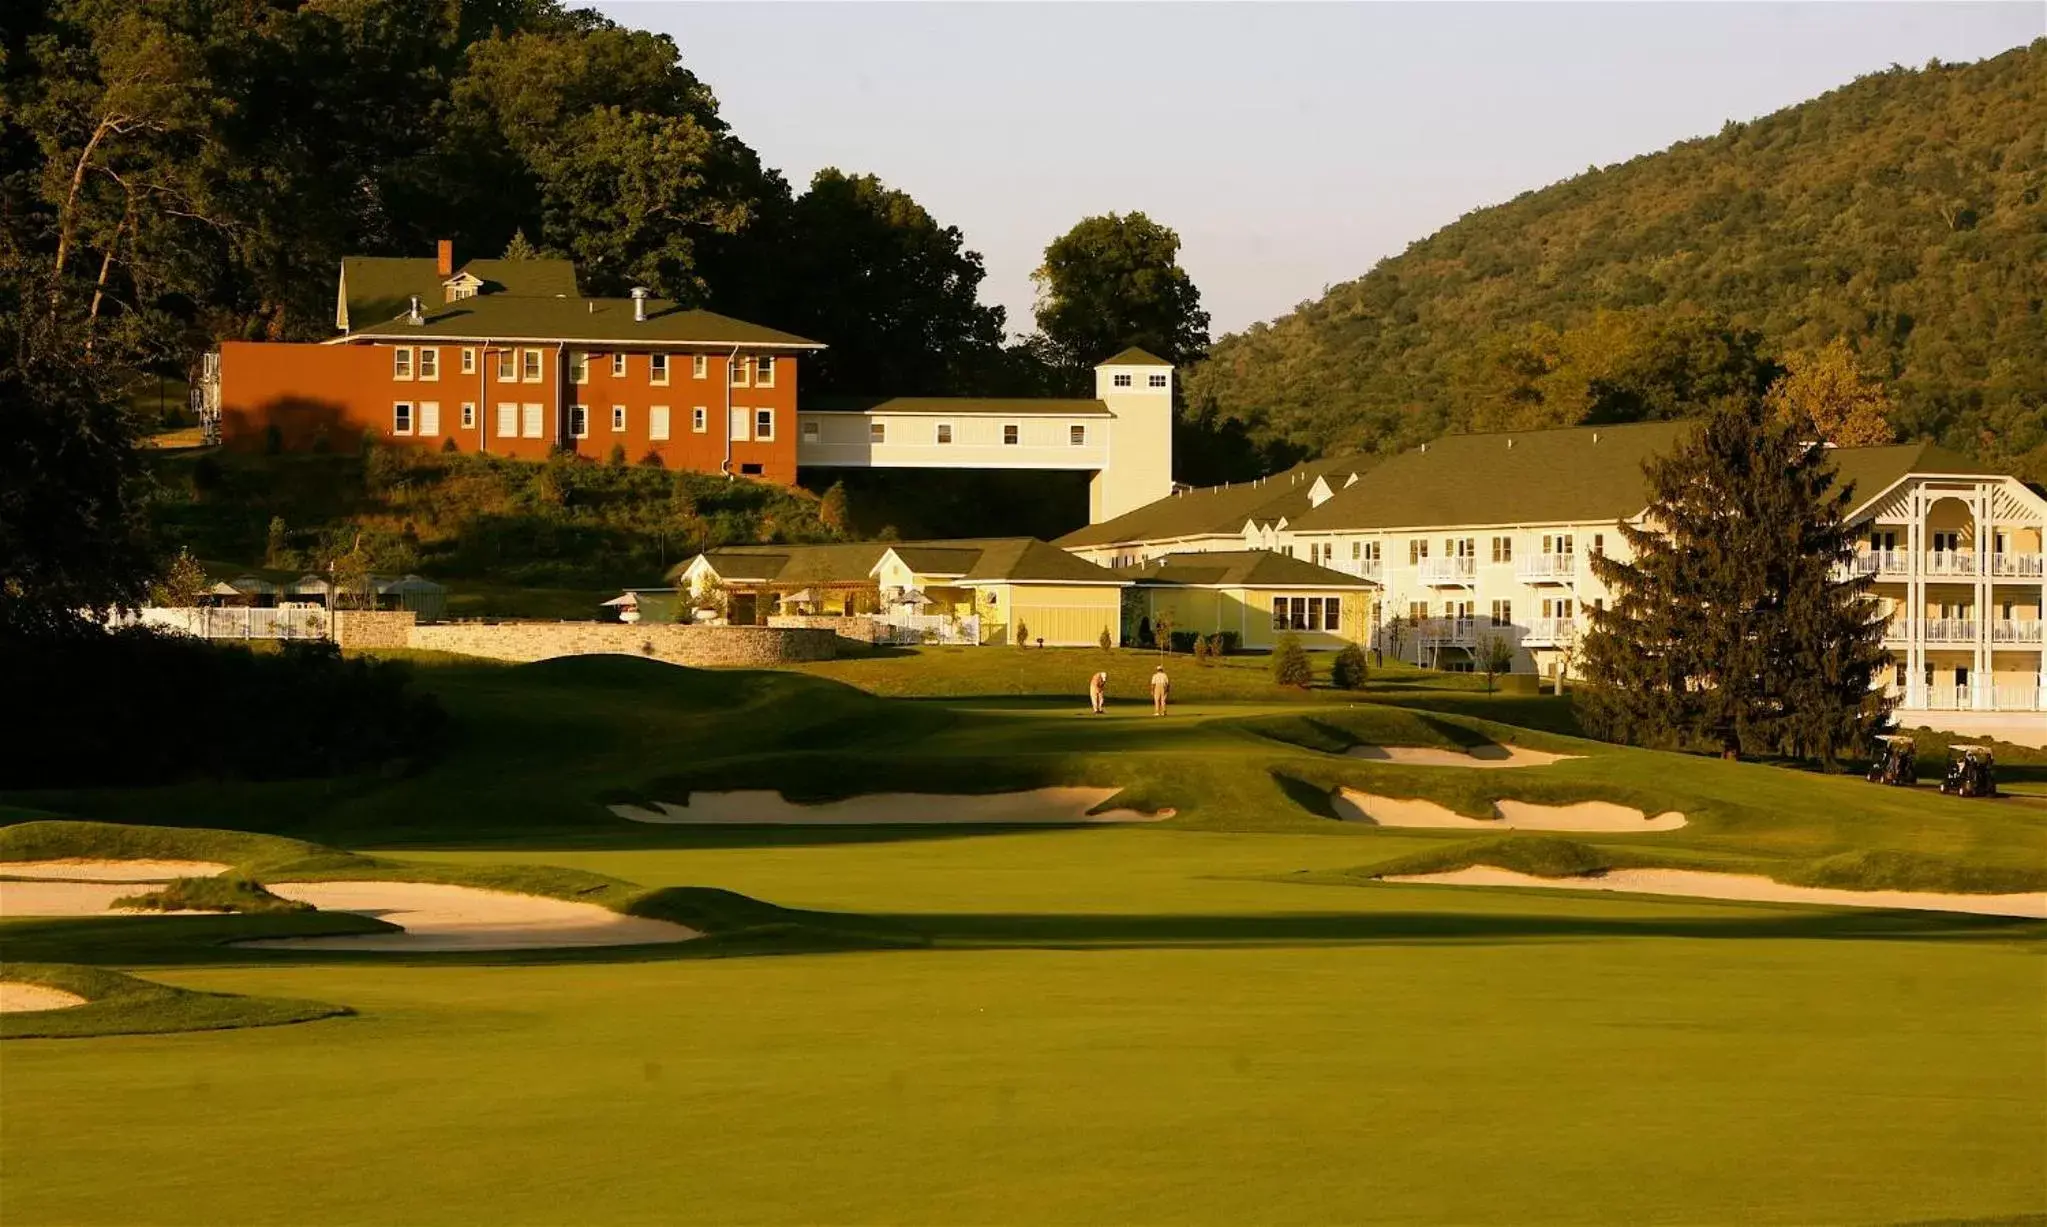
(1982, 680)
(1915, 602)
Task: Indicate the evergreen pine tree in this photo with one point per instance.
(1730, 626)
(1348, 670)
(521, 248)
(1290, 665)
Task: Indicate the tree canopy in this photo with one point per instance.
(1901, 215)
(1115, 281)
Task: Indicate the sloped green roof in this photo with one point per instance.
(1029, 560)
(1221, 510)
(1136, 357)
(1873, 470)
(604, 321)
(1014, 559)
(1238, 569)
(380, 288)
(962, 406)
(793, 566)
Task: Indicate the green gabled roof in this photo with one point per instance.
(601, 321)
(1220, 510)
(1238, 569)
(1578, 474)
(1029, 560)
(1014, 559)
(961, 406)
(792, 565)
(380, 288)
(1876, 469)
(937, 559)
(1136, 357)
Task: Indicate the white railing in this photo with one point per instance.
(2018, 566)
(1546, 568)
(2016, 696)
(1946, 698)
(1950, 562)
(1898, 630)
(2015, 631)
(1948, 630)
(1449, 630)
(235, 621)
(931, 628)
(1881, 562)
(1449, 570)
(1364, 568)
(1551, 630)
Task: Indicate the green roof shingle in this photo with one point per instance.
(1136, 357)
(1238, 569)
(1014, 559)
(1221, 511)
(377, 289)
(945, 406)
(601, 321)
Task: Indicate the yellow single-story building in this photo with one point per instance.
(1254, 596)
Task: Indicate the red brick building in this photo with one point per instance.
(507, 357)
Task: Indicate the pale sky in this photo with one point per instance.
(1291, 145)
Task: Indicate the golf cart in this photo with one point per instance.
(1969, 773)
(1896, 762)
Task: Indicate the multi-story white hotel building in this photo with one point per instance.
(1480, 536)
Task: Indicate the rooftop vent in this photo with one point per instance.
(640, 304)
(414, 315)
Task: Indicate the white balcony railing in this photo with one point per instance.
(2018, 566)
(1546, 568)
(2015, 630)
(1950, 562)
(1881, 562)
(1947, 698)
(1949, 630)
(1898, 630)
(1364, 568)
(2015, 696)
(1448, 570)
(1452, 631)
(1551, 630)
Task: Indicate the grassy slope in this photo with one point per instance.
(117, 1004)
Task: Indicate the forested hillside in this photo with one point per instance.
(1905, 213)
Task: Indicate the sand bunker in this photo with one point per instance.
(1479, 756)
(18, 997)
(1603, 816)
(767, 807)
(61, 898)
(81, 870)
(440, 917)
(1747, 888)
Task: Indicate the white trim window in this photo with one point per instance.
(429, 418)
(579, 367)
(508, 420)
(657, 423)
(401, 362)
(579, 421)
(877, 432)
(1121, 381)
(657, 370)
(529, 366)
(1157, 381)
(1012, 434)
(739, 371)
(945, 432)
(1503, 549)
(699, 366)
(468, 359)
(1503, 614)
(508, 366)
(1076, 435)
(764, 425)
(736, 424)
(469, 415)
(1307, 613)
(401, 418)
(618, 419)
(618, 366)
(700, 420)
(764, 371)
(429, 363)
(530, 420)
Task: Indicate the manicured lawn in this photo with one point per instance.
(1155, 1024)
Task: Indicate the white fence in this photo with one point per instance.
(931, 628)
(236, 622)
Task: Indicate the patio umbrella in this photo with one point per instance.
(802, 596)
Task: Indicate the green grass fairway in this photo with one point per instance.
(1169, 1023)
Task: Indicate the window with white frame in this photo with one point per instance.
(1503, 613)
(469, 415)
(1598, 545)
(1417, 552)
(579, 367)
(657, 369)
(1307, 613)
(508, 420)
(618, 366)
(877, 432)
(401, 362)
(737, 424)
(618, 419)
(429, 418)
(1121, 381)
(657, 422)
(429, 363)
(579, 421)
(1011, 433)
(401, 418)
(945, 432)
(736, 370)
(810, 432)
(764, 425)
(1503, 549)
(469, 360)
(700, 420)
(1076, 435)
(1157, 381)
(699, 366)
(529, 365)
(508, 367)
(764, 371)
(1371, 551)
(530, 421)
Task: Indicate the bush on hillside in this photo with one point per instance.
(1348, 670)
(1290, 665)
(139, 707)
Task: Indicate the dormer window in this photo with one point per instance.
(461, 285)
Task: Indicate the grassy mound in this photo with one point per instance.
(117, 1004)
(63, 839)
(1543, 856)
(1893, 869)
(219, 894)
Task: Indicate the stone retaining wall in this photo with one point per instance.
(374, 628)
(677, 645)
(861, 628)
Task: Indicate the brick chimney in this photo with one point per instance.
(446, 263)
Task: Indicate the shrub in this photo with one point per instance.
(1107, 642)
(1143, 632)
(449, 446)
(222, 894)
(1290, 665)
(1347, 671)
(1023, 634)
(617, 455)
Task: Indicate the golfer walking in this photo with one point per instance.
(1098, 692)
(1161, 686)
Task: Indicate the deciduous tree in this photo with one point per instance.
(1115, 281)
(1825, 394)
